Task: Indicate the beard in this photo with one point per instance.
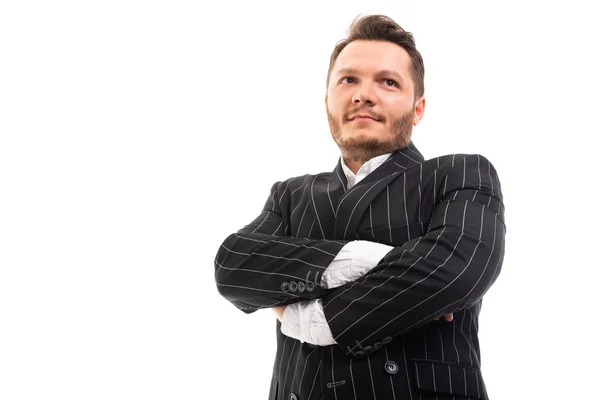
(363, 149)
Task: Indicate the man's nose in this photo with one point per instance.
(364, 94)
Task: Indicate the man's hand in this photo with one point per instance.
(447, 317)
(279, 310)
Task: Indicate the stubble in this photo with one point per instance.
(360, 149)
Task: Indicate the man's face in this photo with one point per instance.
(372, 78)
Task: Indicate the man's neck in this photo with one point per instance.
(355, 160)
(354, 165)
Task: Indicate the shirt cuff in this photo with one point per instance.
(354, 260)
(305, 321)
(290, 321)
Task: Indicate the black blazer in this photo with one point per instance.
(445, 219)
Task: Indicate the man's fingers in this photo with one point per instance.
(279, 310)
(448, 317)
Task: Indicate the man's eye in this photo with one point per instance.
(347, 77)
(391, 82)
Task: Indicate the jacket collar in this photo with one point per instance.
(338, 210)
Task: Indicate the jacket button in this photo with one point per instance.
(310, 286)
(301, 287)
(293, 396)
(293, 286)
(386, 340)
(391, 367)
(285, 287)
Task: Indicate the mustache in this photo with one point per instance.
(370, 113)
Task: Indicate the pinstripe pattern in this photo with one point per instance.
(445, 219)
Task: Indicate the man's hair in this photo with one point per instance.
(384, 29)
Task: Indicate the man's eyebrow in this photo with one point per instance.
(383, 72)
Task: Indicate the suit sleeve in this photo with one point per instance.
(259, 267)
(449, 268)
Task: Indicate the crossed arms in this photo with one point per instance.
(449, 268)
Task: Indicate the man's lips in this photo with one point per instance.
(363, 119)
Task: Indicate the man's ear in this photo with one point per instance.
(419, 110)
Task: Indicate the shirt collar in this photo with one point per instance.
(364, 170)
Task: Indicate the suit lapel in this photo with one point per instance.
(325, 193)
(353, 204)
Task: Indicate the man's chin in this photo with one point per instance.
(364, 148)
(363, 140)
(362, 136)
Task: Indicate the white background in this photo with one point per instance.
(135, 136)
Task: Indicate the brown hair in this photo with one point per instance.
(385, 29)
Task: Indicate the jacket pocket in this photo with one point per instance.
(450, 378)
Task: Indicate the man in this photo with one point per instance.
(361, 264)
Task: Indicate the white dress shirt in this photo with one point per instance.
(305, 320)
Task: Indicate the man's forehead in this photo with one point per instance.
(372, 56)
(360, 69)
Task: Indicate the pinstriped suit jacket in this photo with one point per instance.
(445, 219)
